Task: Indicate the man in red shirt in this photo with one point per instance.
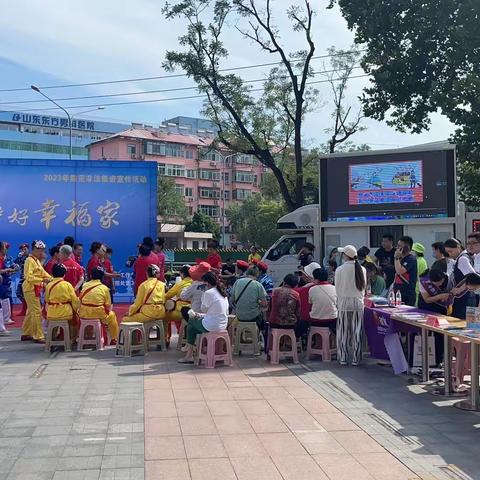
(214, 259)
(145, 258)
(75, 273)
(78, 252)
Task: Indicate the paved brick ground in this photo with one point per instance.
(93, 416)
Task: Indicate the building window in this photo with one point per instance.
(161, 168)
(131, 149)
(226, 178)
(213, 175)
(42, 147)
(195, 245)
(154, 148)
(209, 210)
(241, 194)
(189, 154)
(243, 177)
(226, 195)
(244, 159)
(179, 189)
(174, 170)
(191, 174)
(188, 192)
(208, 193)
(212, 156)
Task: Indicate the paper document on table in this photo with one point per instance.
(395, 353)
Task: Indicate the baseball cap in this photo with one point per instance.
(349, 250)
(310, 268)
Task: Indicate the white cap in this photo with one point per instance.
(310, 268)
(349, 250)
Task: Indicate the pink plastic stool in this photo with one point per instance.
(211, 351)
(325, 350)
(96, 341)
(462, 359)
(274, 337)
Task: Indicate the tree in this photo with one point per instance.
(345, 122)
(260, 125)
(424, 57)
(203, 224)
(255, 220)
(170, 203)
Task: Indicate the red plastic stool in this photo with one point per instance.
(274, 337)
(210, 350)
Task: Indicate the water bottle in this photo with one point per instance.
(398, 298)
(391, 298)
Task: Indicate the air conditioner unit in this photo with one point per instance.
(213, 164)
(133, 156)
(215, 202)
(215, 184)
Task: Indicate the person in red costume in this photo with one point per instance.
(158, 251)
(214, 259)
(145, 258)
(75, 274)
(54, 259)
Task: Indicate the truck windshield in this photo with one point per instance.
(288, 246)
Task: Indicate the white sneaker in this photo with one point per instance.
(10, 322)
(4, 333)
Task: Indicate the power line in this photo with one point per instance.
(177, 75)
(126, 94)
(169, 99)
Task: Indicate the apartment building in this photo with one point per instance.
(209, 180)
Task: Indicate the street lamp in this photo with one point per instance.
(37, 89)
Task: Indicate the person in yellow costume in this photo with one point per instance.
(35, 279)
(61, 300)
(95, 303)
(254, 255)
(173, 293)
(150, 300)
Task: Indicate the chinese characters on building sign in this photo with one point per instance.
(77, 216)
(52, 121)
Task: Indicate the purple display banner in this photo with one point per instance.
(382, 336)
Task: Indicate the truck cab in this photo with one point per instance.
(282, 256)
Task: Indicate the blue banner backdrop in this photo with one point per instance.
(106, 201)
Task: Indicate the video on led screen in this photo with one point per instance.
(388, 186)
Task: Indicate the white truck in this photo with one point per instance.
(365, 195)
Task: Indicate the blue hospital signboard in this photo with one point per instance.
(110, 202)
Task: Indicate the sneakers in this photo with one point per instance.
(10, 322)
(4, 333)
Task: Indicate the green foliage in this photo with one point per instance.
(424, 57)
(170, 204)
(255, 220)
(203, 224)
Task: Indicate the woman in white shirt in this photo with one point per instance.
(323, 299)
(350, 284)
(215, 308)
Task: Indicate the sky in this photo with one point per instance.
(59, 42)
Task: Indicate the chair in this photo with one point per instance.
(54, 327)
(92, 341)
(126, 344)
(182, 335)
(213, 347)
(319, 343)
(274, 338)
(159, 331)
(246, 337)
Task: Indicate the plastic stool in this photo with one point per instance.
(159, 340)
(97, 340)
(211, 352)
(182, 335)
(325, 350)
(66, 343)
(125, 344)
(274, 337)
(243, 328)
(461, 366)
